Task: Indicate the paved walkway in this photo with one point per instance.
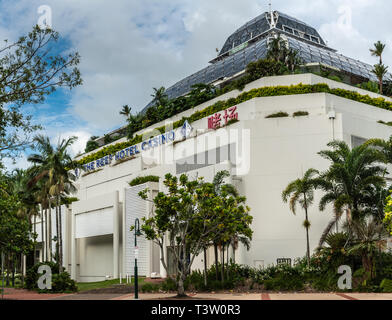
(19, 294)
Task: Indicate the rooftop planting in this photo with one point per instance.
(243, 97)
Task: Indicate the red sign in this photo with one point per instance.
(214, 122)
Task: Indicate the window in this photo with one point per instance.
(315, 39)
(287, 29)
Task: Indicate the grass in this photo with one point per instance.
(86, 286)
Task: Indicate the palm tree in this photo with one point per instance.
(126, 111)
(380, 71)
(351, 181)
(160, 97)
(302, 191)
(384, 146)
(56, 165)
(277, 49)
(367, 238)
(378, 50)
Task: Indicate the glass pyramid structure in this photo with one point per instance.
(250, 43)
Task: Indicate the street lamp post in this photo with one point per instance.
(137, 233)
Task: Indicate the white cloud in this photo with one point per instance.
(78, 146)
(130, 46)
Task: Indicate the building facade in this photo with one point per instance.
(262, 155)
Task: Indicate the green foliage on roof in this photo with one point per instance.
(140, 180)
(243, 97)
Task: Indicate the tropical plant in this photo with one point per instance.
(91, 144)
(182, 215)
(160, 97)
(126, 111)
(378, 50)
(351, 181)
(367, 238)
(55, 165)
(380, 72)
(301, 191)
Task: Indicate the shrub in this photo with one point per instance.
(61, 282)
(150, 287)
(300, 114)
(277, 115)
(386, 285)
(284, 282)
(140, 180)
(169, 285)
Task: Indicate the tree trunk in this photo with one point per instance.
(50, 233)
(381, 87)
(42, 235)
(22, 269)
(326, 232)
(180, 287)
(233, 245)
(8, 271)
(57, 235)
(223, 265)
(47, 255)
(60, 239)
(205, 267)
(216, 261)
(307, 239)
(13, 271)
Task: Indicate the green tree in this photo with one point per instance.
(126, 111)
(301, 191)
(181, 214)
(351, 181)
(91, 144)
(380, 71)
(160, 97)
(31, 68)
(367, 239)
(16, 237)
(56, 164)
(378, 50)
(235, 226)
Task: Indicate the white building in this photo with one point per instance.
(262, 154)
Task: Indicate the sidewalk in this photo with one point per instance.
(267, 296)
(20, 294)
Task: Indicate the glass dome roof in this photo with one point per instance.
(250, 43)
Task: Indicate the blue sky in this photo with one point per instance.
(130, 46)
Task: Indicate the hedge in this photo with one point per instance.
(140, 180)
(254, 93)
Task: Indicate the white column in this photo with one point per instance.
(73, 247)
(116, 234)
